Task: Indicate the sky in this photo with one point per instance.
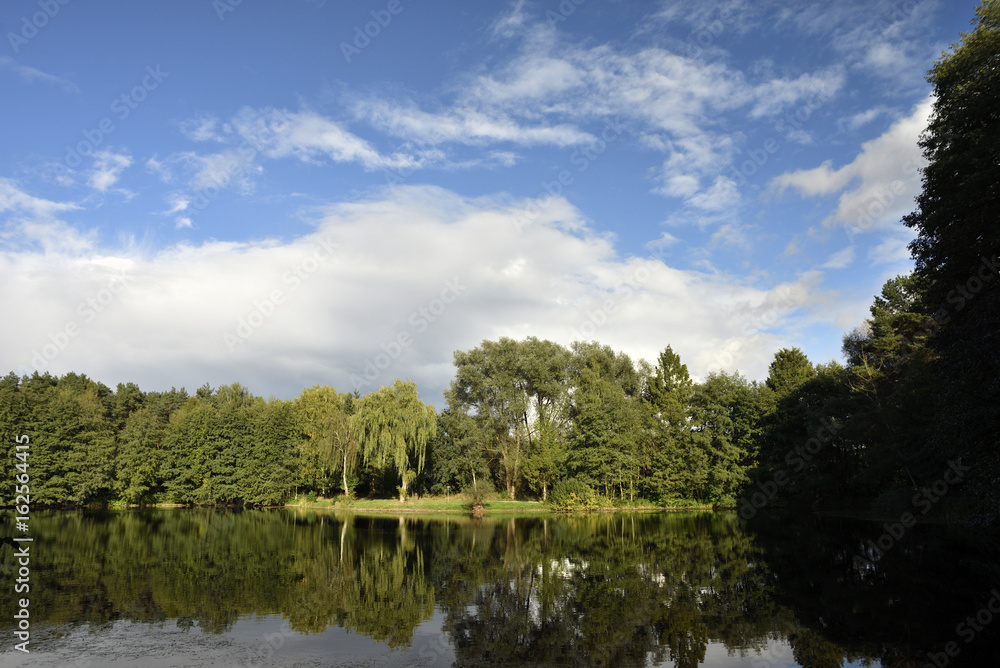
(285, 194)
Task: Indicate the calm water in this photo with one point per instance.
(285, 588)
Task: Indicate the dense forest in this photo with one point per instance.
(908, 421)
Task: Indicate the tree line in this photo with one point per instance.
(909, 420)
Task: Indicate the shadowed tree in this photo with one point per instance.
(957, 251)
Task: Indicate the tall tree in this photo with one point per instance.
(393, 427)
(789, 369)
(459, 460)
(724, 417)
(139, 456)
(957, 250)
(605, 436)
(329, 443)
(679, 465)
(491, 385)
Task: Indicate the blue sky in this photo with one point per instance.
(285, 194)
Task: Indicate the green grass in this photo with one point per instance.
(454, 503)
(457, 503)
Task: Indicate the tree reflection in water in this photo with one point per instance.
(593, 590)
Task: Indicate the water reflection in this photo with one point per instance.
(596, 590)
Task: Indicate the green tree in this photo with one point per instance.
(789, 369)
(266, 468)
(459, 460)
(957, 252)
(545, 464)
(679, 464)
(393, 427)
(139, 456)
(725, 416)
(329, 443)
(605, 435)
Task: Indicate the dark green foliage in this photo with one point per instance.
(573, 494)
(957, 253)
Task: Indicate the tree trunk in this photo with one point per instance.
(545, 488)
(346, 493)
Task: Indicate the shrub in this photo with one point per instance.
(726, 501)
(480, 493)
(573, 494)
(311, 497)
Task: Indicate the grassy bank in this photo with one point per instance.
(456, 503)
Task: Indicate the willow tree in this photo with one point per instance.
(393, 426)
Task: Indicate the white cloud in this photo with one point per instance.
(721, 196)
(553, 92)
(884, 38)
(893, 250)
(420, 263)
(776, 95)
(731, 234)
(13, 199)
(463, 124)
(512, 22)
(161, 169)
(29, 224)
(885, 176)
(840, 259)
(107, 169)
(31, 75)
(864, 118)
(201, 129)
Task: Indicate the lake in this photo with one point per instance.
(201, 587)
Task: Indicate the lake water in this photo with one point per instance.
(197, 587)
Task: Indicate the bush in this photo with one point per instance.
(725, 502)
(311, 497)
(573, 494)
(480, 493)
